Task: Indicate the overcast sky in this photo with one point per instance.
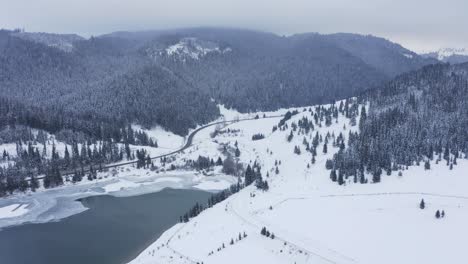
(416, 24)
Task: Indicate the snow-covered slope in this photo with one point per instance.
(316, 220)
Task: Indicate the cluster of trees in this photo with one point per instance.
(202, 162)
(420, 117)
(17, 119)
(213, 200)
(232, 242)
(438, 213)
(143, 159)
(319, 116)
(30, 162)
(253, 174)
(258, 136)
(267, 233)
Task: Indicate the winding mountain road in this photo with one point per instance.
(187, 144)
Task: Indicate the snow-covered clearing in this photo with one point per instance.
(166, 140)
(213, 185)
(314, 219)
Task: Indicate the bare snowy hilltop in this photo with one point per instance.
(213, 145)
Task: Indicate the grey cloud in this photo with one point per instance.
(417, 24)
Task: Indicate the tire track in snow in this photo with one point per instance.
(299, 248)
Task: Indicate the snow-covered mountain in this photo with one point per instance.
(450, 55)
(186, 48)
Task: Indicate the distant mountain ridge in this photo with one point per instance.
(63, 42)
(144, 77)
(450, 55)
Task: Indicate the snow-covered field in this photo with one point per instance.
(317, 221)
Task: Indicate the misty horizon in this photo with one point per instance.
(88, 36)
(418, 25)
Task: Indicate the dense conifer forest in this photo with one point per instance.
(420, 118)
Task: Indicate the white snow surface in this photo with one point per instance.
(317, 221)
(13, 210)
(213, 185)
(407, 55)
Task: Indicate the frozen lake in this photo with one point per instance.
(114, 230)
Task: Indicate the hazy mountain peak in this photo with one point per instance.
(186, 48)
(62, 42)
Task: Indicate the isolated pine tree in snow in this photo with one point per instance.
(290, 137)
(297, 150)
(442, 214)
(422, 204)
(437, 214)
(325, 148)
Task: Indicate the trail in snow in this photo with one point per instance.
(341, 258)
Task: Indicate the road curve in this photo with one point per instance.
(187, 144)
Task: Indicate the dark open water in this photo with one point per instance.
(114, 230)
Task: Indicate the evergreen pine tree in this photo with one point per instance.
(237, 152)
(333, 176)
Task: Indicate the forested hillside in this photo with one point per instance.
(262, 71)
(420, 118)
(175, 78)
(103, 82)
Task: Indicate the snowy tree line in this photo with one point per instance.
(31, 160)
